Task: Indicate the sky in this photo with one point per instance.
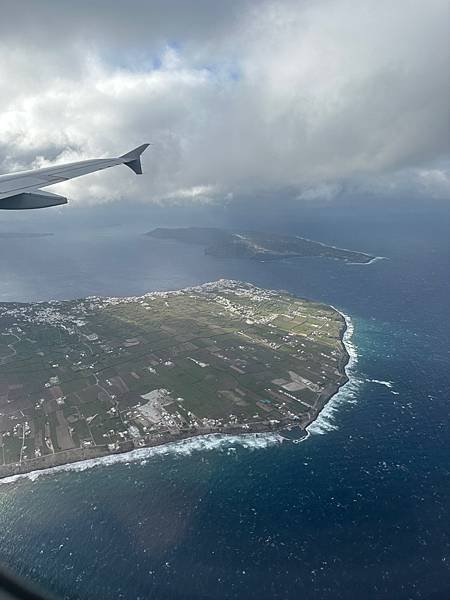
(312, 100)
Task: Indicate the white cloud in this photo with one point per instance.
(261, 96)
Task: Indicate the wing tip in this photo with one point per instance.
(136, 152)
(132, 159)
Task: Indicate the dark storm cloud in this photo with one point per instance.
(124, 25)
(238, 97)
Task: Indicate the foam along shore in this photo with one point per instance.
(347, 393)
(184, 447)
(370, 262)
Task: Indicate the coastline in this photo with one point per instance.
(370, 262)
(182, 445)
(346, 392)
(84, 458)
(217, 251)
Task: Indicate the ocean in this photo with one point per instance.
(357, 510)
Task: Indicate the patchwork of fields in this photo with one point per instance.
(118, 373)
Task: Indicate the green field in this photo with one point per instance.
(109, 371)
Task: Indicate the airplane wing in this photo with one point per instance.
(22, 190)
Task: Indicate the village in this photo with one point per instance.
(113, 374)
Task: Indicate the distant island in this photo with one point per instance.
(23, 234)
(257, 245)
(98, 376)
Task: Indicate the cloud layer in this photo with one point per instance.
(237, 97)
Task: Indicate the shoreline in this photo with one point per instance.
(323, 421)
(84, 458)
(212, 249)
(184, 445)
(370, 262)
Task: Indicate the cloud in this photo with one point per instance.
(238, 98)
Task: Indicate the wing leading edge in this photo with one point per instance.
(22, 190)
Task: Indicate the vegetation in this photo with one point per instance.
(113, 372)
(257, 245)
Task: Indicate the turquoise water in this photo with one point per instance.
(358, 510)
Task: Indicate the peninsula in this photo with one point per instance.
(257, 245)
(87, 378)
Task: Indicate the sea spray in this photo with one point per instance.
(370, 262)
(347, 393)
(212, 441)
(387, 384)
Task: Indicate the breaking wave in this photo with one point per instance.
(387, 384)
(213, 441)
(373, 260)
(347, 393)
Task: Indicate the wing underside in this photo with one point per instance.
(29, 200)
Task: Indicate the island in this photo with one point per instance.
(86, 378)
(23, 234)
(257, 245)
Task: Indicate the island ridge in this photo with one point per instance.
(256, 245)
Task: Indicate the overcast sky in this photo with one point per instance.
(238, 97)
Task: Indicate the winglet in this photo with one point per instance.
(133, 158)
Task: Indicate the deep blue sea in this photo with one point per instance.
(358, 510)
